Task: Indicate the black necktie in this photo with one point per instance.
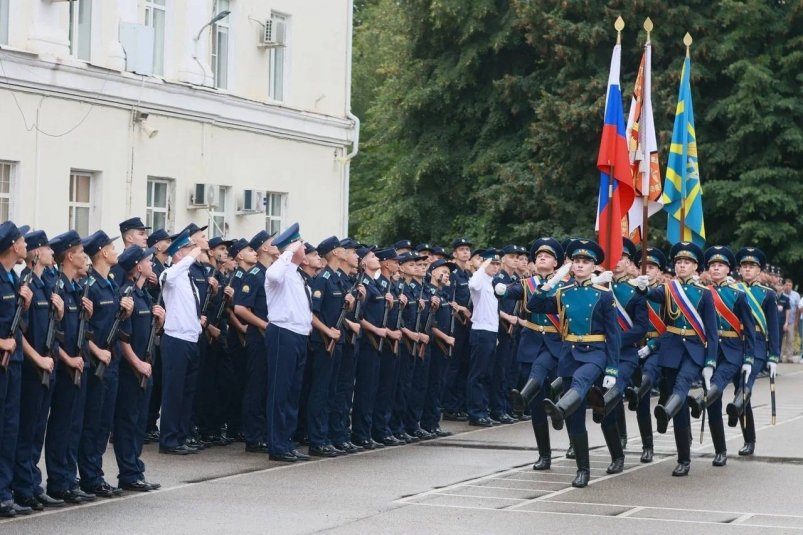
(195, 293)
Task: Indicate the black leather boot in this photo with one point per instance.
(720, 446)
(682, 437)
(570, 450)
(646, 449)
(563, 408)
(736, 407)
(699, 403)
(521, 400)
(544, 447)
(583, 463)
(665, 412)
(602, 404)
(749, 432)
(621, 423)
(611, 434)
(634, 395)
(555, 389)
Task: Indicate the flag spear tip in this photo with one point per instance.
(687, 40)
(648, 26)
(619, 25)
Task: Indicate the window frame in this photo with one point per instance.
(151, 209)
(4, 19)
(75, 34)
(219, 211)
(89, 205)
(151, 6)
(220, 27)
(9, 196)
(269, 216)
(278, 55)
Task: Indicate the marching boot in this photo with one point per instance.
(521, 400)
(665, 412)
(622, 424)
(566, 406)
(646, 448)
(555, 389)
(699, 403)
(570, 450)
(718, 438)
(611, 434)
(544, 447)
(634, 394)
(748, 449)
(682, 437)
(749, 432)
(736, 407)
(602, 405)
(583, 462)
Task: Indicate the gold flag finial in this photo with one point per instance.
(648, 27)
(619, 25)
(687, 40)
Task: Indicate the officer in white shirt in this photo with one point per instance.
(183, 324)
(482, 340)
(289, 325)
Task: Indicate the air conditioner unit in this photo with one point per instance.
(203, 196)
(253, 201)
(274, 33)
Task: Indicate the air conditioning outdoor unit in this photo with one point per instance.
(203, 196)
(253, 200)
(274, 33)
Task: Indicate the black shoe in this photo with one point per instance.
(29, 501)
(85, 496)
(482, 422)
(520, 400)
(439, 432)
(346, 447)
(451, 416)
(7, 509)
(543, 463)
(215, 440)
(581, 479)
(505, 419)
(664, 413)
(256, 447)
(364, 444)
(153, 486)
(525, 417)
(152, 436)
(197, 444)
(337, 450)
(104, 490)
(720, 459)
(283, 457)
(646, 455)
(617, 466)
(421, 434)
(748, 449)
(682, 469)
(178, 450)
(570, 452)
(322, 451)
(49, 501)
(68, 496)
(390, 440)
(21, 509)
(563, 408)
(136, 486)
(300, 456)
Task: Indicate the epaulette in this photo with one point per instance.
(698, 284)
(736, 287)
(91, 280)
(326, 275)
(254, 271)
(239, 274)
(601, 288)
(60, 282)
(764, 287)
(366, 280)
(384, 283)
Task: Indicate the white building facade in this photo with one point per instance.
(231, 113)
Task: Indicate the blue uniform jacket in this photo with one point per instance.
(737, 351)
(328, 295)
(105, 304)
(71, 294)
(636, 307)
(532, 339)
(462, 294)
(38, 315)
(768, 345)
(374, 306)
(8, 305)
(252, 295)
(138, 325)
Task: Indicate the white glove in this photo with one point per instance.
(557, 278)
(729, 279)
(642, 281)
(644, 352)
(608, 382)
(773, 369)
(708, 373)
(500, 288)
(695, 277)
(603, 278)
(747, 368)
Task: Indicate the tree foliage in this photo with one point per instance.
(483, 118)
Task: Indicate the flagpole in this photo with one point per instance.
(687, 40)
(645, 196)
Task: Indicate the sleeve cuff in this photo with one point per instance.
(748, 360)
(710, 364)
(774, 358)
(613, 372)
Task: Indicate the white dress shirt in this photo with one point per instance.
(181, 300)
(286, 293)
(485, 316)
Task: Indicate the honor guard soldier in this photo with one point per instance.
(591, 343)
(12, 297)
(101, 392)
(251, 308)
(689, 344)
(159, 240)
(38, 375)
(135, 372)
(762, 302)
(290, 323)
(508, 321)
(737, 333)
(133, 232)
(454, 388)
(639, 396)
(540, 345)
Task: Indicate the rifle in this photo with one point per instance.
(15, 322)
(451, 320)
(357, 317)
(331, 342)
(76, 379)
(100, 366)
(414, 350)
(143, 381)
(218, 316)
(208, 297)
(428, 324)
(384, 325)
(396, 343)
(50, 337)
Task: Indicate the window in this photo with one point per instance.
(4, 22)
(157, 206)
(218, 226)
(278, 58)
(220, 47)
(80, 28)
(275, 209)
(80, 204)
(6, 190)
(155, 18)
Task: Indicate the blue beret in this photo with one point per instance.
(547, 245)
(132, 256)
(96, 241)
(65, 241)
(157, 236)
(35, 239)
(131, 224)
(328, 245)
(180, 241)
(586, 249)
(288, 236)
(9, 233)
(719, 253)
(752, 254)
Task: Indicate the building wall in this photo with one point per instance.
(62, 115)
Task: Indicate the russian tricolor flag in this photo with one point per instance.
(616, 190)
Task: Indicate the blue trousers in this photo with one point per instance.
(10, 389)
(179, 373)
(583, 377)
(542, 370)
(431, 412)
(130, 422)
(254, 417)
(623, 380)
(483, 346)
(287, 355)
(239, 358)
(725, 373)
(323, 369)
(340, 416)
(455, 377)
(156, 393)
(418, 392)
(650, 368)
(678, 381)
(408, 365)
(34, 407)
(366, 382)
(64, 426)
(101, 398)
(499, 387)
(385, 392)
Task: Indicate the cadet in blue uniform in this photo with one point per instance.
(591, 343)
(132, 232)
(737, 333)
(454, 383)
(101, 393)
(539, 347)
(504, 356)
(46, 307)
(689, 344)
(767, 350)
(12, 250)
(251, 308)
(132, 400)
(159, 240)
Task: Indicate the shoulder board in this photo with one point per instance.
(384, 283)
(699, 285)
(254, 271)
(326, 275)
(91, 280)
(764, 287)
(111, 275)
(366, 280)
(238, 274)
(401, 286)
(601, 288)
(60, 284)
